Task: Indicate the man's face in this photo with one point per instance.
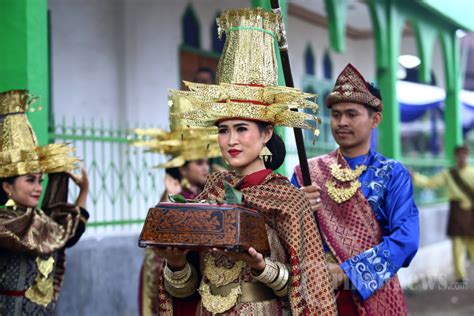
(204, 77)
(352, 125)
(461, 157)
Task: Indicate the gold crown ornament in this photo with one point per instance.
(19, 150)
(182, 143)
(247, 77)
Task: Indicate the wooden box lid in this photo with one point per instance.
(199, 225)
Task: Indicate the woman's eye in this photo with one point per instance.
(241, 129)
(222, 131)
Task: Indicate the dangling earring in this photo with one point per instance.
(10, 202)
(265, 154)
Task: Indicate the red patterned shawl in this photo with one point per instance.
(349, 229)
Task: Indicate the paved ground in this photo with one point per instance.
(442, 297)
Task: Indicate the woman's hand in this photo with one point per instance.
(172, 185)
(82, 181)
(252, 258)
(175, 257)
(312, 192)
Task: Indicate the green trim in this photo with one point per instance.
(425, 37)
(452, 114)
(388, 23)
(459, 12)
(337, 13)
(252, 28)
(24, 55)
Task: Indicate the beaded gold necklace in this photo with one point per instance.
(340, 194)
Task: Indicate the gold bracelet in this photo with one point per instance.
(269, 274)
(282, 279)
(177, 278)
(183, 290)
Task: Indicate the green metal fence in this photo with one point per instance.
(123, 184)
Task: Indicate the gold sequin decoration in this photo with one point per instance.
(41, 292)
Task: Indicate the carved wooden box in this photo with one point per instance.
(198, 225)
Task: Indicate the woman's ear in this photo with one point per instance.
(268, 133)
(7, 187)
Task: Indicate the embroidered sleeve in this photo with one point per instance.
(368, 271)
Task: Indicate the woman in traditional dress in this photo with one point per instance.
(186, 171)
(245, 106)
(33, 240)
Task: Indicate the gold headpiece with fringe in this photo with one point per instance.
(181, 143)
(19, 150)
(248, 77)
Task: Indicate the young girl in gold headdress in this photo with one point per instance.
(33, 240)
(245, 106)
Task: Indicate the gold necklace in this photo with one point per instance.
(340, 194)
(220, 276)
(217, 304)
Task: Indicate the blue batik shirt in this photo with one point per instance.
(388, 188)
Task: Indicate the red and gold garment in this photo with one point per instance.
(348, 229)
(288, 213)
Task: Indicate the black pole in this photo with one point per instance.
(285, 61)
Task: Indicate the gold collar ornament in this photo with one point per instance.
(341, 193)
(19, 150)
(220, 276)
(42, 290)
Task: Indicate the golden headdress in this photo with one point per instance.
(351, 87)
(181, 142)
(19, 150)
(248, 77)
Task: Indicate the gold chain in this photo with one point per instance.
(346, 174)
(340, 195)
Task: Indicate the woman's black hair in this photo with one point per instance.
(276, 146)
(3, 195)
(175, 173)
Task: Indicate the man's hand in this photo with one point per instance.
(337, 274)
(312, 192)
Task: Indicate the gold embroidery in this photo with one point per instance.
(41, 292)
(220, 276)
(217, 303)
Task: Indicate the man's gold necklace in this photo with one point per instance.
(341, 194)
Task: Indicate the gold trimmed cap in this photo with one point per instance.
(352, 87)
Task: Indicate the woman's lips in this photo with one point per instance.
(234, 152)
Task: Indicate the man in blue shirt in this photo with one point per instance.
(364, 205)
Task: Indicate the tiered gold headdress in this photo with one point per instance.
(181, 143)
(19, 150)
(248, 77)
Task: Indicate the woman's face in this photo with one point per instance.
(25, 190)
(196, 171)
(241, 142)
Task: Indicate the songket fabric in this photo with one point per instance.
(32, 256)
(292, 234)
(374, 233)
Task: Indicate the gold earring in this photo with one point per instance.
(10, 202)
(266, 154)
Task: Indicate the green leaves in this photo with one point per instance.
(232, 195)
